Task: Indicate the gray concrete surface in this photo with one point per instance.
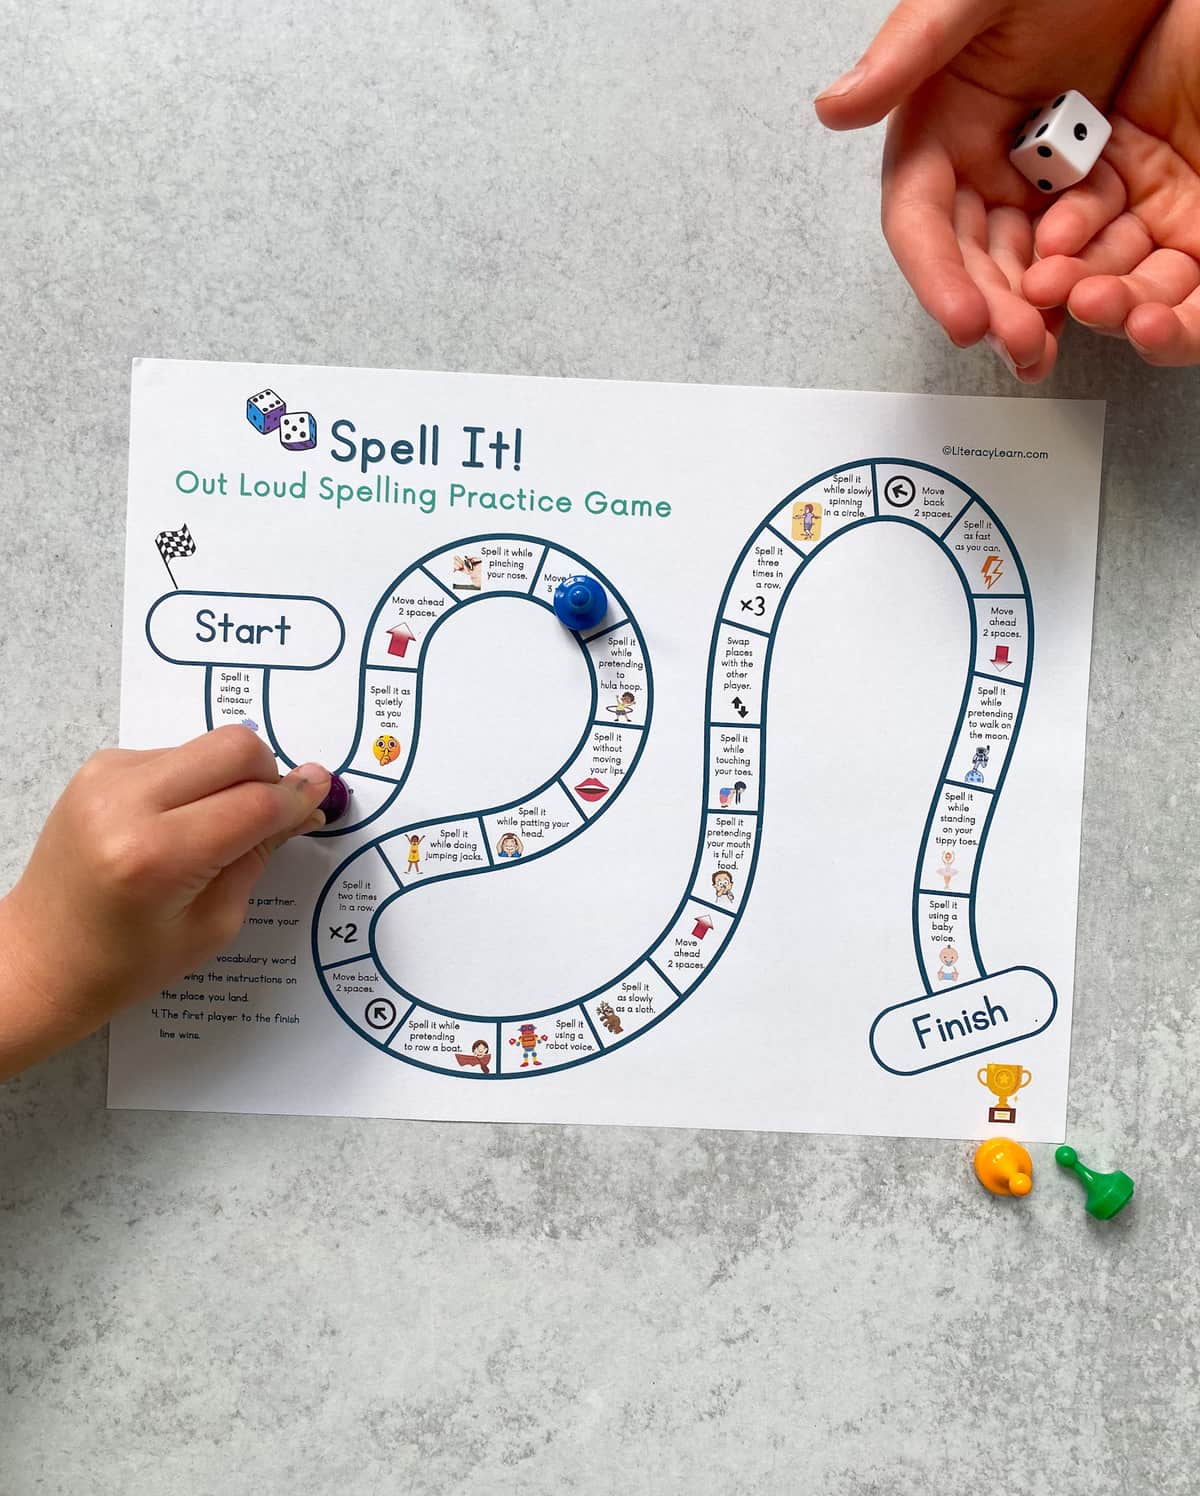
(223, 1306)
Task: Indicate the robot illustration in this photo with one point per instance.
(528, 1039)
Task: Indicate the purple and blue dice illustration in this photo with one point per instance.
(298, 431)
(264, 411)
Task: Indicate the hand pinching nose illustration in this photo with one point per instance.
(467, 574)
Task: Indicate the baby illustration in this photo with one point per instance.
(948, 970)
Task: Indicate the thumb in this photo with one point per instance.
(917, 40)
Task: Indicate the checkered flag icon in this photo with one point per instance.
(172, 544)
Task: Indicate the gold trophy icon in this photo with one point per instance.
(1004, 1081)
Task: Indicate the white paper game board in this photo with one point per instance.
(788, 840)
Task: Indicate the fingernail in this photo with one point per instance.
(1002, 353)
(314, 776)
(845, 83)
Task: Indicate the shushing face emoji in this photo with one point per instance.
(385, 748)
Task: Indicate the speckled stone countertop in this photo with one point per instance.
(221, 1306)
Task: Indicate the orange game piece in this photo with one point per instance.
(1004, 1167)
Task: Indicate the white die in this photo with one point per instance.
(1059, 146)
(298, 431)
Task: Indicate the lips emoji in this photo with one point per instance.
(591, 790)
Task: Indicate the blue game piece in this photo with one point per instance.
(580, 603)
(337, 801)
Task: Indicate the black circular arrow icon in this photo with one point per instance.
(899, 491)
(381, 1012)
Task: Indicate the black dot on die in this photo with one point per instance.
(1045, 186)
(1080, 132)
(1044, 150)
(1041, 130)
(1058, 101)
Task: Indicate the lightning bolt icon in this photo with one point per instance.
(993, 570)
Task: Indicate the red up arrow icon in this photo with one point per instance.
(401, 637)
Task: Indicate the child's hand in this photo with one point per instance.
(143, 869)
(960, 76)
(1122, 250)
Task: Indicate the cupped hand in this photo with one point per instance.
(1122, 250)
(957, 77)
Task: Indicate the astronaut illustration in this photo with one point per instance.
(979, 763)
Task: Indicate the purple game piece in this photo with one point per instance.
(337, 801)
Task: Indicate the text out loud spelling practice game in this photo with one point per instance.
(780, 832)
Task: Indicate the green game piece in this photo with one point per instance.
(1106, 1193)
